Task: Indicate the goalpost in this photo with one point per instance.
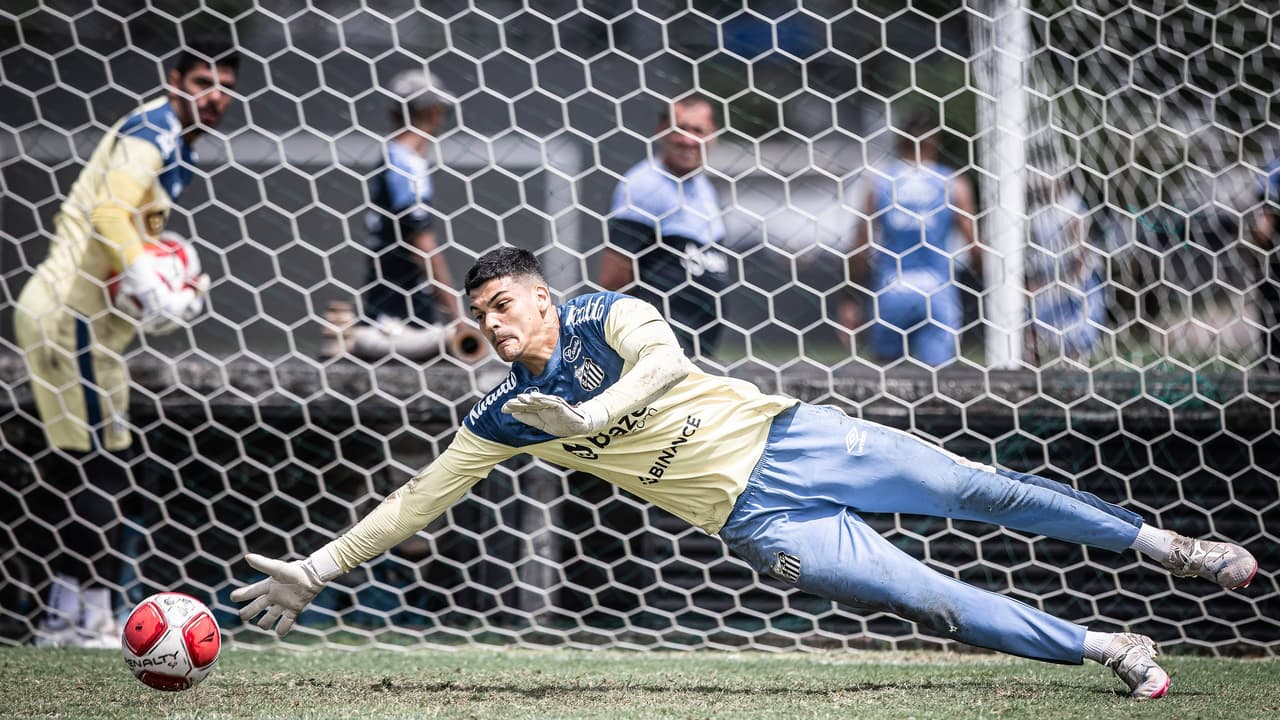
(1112, 340)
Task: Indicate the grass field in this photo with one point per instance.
(605, 684)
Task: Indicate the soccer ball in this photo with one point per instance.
(171, 641)
(176, 263)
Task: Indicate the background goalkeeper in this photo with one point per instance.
(600, 384)
(72, 337)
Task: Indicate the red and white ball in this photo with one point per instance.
(171, 641)
(176, 264)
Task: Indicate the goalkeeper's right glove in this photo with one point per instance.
(288, 589)
(160, 307)
(553, 415)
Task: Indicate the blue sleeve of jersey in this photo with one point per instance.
(496, 426)
(160, 127)
(156, 128)
(486, 418)
(585, 314)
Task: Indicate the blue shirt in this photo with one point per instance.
(401, 193)
(673, 226)
(915, 223)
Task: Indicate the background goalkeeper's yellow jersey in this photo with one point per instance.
(689, 452)
(121, 199)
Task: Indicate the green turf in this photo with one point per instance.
(607, 684)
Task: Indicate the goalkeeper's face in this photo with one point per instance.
(202, 95)
(517, 317)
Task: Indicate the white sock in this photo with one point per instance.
(1153, 542)
(64, 600)
(1095, 645)
(97, 608)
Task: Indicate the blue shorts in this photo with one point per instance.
(798, 520)
(926, 324)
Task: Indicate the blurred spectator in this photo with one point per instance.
(408, 300)
(1063, 278)
(1266, 232)
(73, 338)
(900, 251)
(665, 229)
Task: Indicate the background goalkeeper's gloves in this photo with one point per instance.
(555, 416)
(159, 308)
(287, 590)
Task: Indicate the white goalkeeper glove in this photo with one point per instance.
(286, 592)
(160, 308)
(554, 416)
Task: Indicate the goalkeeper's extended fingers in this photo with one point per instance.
(248, 592)
(534, 402)
(286, 623)
(249, 611)
(264, 564)
(531, 420)
(523, 404)
(269, 618)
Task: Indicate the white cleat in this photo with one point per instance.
(1227, 564)
(53, 635)
(104, 637)
(1132, 658)
(100, 639)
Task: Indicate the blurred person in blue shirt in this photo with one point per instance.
(901, 252)
(1064, 279)
(1265, 231)
(666, 230)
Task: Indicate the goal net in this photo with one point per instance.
(1114, 287)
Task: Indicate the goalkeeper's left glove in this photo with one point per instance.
(288, 589)
(554, 416)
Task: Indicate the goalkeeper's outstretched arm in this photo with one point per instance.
(290, 586)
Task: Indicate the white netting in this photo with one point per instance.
(1116, 150)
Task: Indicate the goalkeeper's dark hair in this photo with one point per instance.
(207, 50)
(504, 262)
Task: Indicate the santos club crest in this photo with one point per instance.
(786, 567)
(589, 375)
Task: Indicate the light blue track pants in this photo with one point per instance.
(797, 519)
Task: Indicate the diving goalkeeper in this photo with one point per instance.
(600, 384)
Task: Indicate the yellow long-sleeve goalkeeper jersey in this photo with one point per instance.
(121, 198)
(689, 452)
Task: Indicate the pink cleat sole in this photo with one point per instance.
(1162, 691)
(1248, 581)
